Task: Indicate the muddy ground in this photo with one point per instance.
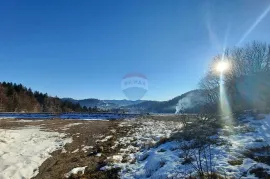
(84, 134)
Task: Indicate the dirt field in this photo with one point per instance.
(75, 154)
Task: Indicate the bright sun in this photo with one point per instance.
(222, 66)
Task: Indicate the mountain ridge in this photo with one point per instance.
(168, 106)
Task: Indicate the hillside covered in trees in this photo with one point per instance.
(18, 98)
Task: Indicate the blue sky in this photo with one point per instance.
(82, 49)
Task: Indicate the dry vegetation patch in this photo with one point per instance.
(88, 147)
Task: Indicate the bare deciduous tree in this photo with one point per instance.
(245, 62)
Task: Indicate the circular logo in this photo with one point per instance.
(134, 86)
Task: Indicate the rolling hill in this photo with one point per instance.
(189, 102)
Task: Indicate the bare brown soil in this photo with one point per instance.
(84, 134)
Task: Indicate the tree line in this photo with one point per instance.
(18, 98)
(246, 82)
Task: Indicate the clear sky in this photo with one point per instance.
(82, 49)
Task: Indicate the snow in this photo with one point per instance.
(105, 139)
(66, 127)
(144, 159)
(24, 150)
(85, 148)
(64, 151)
(75, 171)
(98, 154)
(76, 150)
(117, 158)
(153, 163)
(256, 138)
(145, 136)
(259, 137)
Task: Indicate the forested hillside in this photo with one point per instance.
(18, 98)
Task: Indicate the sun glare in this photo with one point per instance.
(222, 66)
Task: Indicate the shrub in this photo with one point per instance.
(235, 162)
(260, 172)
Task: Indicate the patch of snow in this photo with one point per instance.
(74, 151)
(145, 136)
(66, 127)
(98, 154)
(97, 136)
(64, 151)
(117, 158)
(113, 130)
(75, 171)
(115, 145)
(85, 148)
(105, 139)
(24, 150)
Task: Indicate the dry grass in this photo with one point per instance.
(85, 134)
(236, 162)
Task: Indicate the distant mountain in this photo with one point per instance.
(146, 106)
(103, 104)
(124, 102)
(91, 102)
(16, 97)
(69, 99)
(189, 102)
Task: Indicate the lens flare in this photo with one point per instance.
(254, 25)
(222, 66)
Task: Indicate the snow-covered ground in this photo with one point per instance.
(23, 150)
(251, 134)
(140, 143)
(146, 153)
